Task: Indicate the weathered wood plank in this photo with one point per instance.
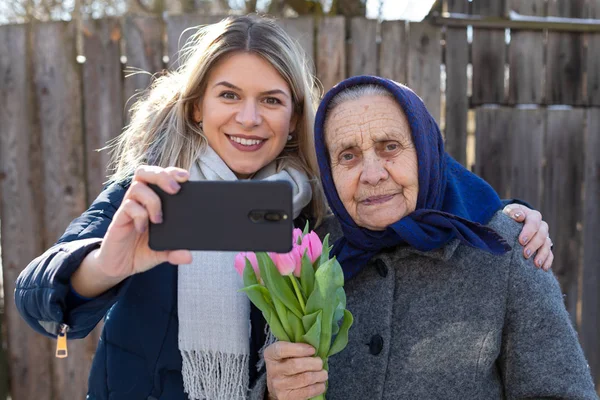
(488, 58)
(562, 199)
(590, 297)
(302, 30)
(458, 6)
(593, 57)
(144, 52)
(488, 7)
(393, 54)
(179, 30)
(457, 102)
(21, 212)
(526, 58)
(564, 59)
(331, 51)
(425, 58)
(362, 58)
(492, 164)
(525, 138)
(57, 80)
(102, 97)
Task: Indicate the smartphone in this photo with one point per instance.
(225, 216)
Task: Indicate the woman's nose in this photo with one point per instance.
(373, 171)
(248, 116)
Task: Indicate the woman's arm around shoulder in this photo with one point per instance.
(43, 288)
(541, 356)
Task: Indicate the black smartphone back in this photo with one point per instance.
(225, 216)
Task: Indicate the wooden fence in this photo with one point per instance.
(535, 101)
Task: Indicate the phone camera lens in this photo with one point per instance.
(255, 216)
(273, 217)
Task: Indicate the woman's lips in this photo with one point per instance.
(374, 200)
(247, 143)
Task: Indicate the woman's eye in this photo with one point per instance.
(391, 147)
(347, 157)
(229, 95)
(272, 100)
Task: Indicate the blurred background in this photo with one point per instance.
(514, 85)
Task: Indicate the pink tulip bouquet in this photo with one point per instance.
(300, 293)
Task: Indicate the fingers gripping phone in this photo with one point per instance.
(225, 216)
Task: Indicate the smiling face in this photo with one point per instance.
(373, 160)
(246, 112)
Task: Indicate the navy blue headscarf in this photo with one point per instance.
(452, 203)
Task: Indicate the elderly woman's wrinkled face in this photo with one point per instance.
(373, 160)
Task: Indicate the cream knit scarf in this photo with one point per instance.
(214, 319)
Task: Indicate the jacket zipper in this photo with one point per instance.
(61, 341)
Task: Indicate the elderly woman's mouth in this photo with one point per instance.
(375, 200)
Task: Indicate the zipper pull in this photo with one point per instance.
(61, 342)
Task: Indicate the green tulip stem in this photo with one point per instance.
(298, 293)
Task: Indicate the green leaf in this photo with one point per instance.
(328, 278)
(339, 310)
(297, 328)
(276, 327)
(325, 253)
(249, 275)
(282, 313)
(313, 335)
(306, 229)
(307, 276)
(259, 296)
(341, 340)
(309, 320)
(278, 286)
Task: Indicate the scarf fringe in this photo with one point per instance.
(215, 375)
(270, 339)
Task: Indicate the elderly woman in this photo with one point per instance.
(444, 304)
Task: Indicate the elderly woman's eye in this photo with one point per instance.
(347, 157)
(391, 147)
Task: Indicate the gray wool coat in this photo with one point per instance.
(457, 323)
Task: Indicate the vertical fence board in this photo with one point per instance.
(457, 102)
(331, 51)
(58, 89)
(301, 29)
(488, 56)
(363, 47)
(425, 58)
(458, 6)
(491, 164)
(21, 212)
(488, 66)
(144, 51)
(526, 137)
(394, 50)
(564, 60)
(102, 97)
(180, 28)
(526, 58)
(593, 56)
(590, 321)
(562, 201)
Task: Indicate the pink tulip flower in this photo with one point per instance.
(240, 263)
(286, 263)
(297, 236)
(312, 245)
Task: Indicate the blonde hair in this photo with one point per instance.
(162, 130)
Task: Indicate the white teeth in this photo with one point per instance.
(245, 142)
